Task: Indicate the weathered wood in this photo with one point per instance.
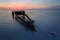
(17, 13)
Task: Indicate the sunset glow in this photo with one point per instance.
(28, 4)
(22, 6)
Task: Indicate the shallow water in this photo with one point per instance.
(46, 22)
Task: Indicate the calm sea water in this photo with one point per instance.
(46, 22)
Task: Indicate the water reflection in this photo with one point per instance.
(47, 21)
(27, 26)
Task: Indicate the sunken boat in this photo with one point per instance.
(23, 17)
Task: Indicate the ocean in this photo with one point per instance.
(46, 23)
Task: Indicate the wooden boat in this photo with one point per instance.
(20, 16)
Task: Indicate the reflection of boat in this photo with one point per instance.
(23, 18)
(27, 27)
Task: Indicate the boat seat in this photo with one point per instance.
(20, 12)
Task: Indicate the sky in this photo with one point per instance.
(28, 4)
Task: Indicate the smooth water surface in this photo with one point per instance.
(46, 22)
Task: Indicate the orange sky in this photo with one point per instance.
(21, 6)
(28, 4)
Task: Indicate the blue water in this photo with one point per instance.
(46, 22)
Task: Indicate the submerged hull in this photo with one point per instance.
(23, 20)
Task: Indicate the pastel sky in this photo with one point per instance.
(29, 3)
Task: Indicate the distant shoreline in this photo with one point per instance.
(28, 9)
